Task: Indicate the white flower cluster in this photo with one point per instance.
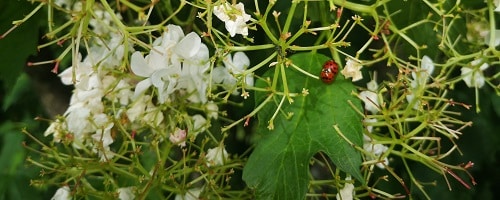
(474, 77)
(234, 70)
(420, 78)
(93, 81)
(174, 70)
(176, 63)
(234, 17)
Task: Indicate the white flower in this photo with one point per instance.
(199, 125)
(176, 63)
(497, 37)
(234, 17)
(370, 128)
(376, 151)
(171, 36)
(102, 21)
(193, 77)
(347, 192)
(178, 137)
(221, 75)
(153, 115)
(102, 139)
(216, 156)
(191, 194)
(144, 111)
(420, 78)
(126, 193)
(56, 128)
(212, 110)
(497, 4)
(474, 77)
(352, 69)
(124, 93)
(154, 67)
(63, 193)
(237, 64)
(235, 67)
(370, 98)
(82, 76)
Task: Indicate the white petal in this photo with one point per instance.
(497, 37)
(67, 76)
(126, 193)
(220, 12)
(240, 60)
(216, 156)
(370, 100)
(241, 7)
(241, 26)
(139, 66)
(372, 85)
(346, 193)
(249, 80)
(188, 46)
(427, 65)
(141, 87)
(172, 35)
(198, 124)
(158, 78)
(231, 27)
(219, 73)
(63, 193)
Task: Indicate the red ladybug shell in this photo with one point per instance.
(329, 71)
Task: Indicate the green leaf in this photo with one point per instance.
(279, 166)
(20, 43)
(21, 86)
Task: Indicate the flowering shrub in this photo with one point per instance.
(162, 87)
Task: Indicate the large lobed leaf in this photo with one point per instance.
(279, 166)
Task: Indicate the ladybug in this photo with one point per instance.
(329, 71)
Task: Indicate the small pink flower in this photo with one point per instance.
(178, 137)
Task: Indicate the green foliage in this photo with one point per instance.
(279, 166)
(20, 43)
